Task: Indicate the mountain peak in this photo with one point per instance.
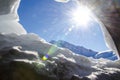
(76, 49)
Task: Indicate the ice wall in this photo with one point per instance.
(9, 19)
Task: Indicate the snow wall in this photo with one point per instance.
(9, 19)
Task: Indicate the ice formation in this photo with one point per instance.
(9, 19)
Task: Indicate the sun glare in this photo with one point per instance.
(80, 16)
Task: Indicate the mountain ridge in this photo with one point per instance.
(76, 49)
(84, 51)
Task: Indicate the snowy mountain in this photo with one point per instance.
(85, 52)
(76, 49)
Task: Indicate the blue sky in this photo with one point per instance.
(50, 21)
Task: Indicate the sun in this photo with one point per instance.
(80, 16)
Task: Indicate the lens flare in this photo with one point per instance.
(51, 51)
(44, 58)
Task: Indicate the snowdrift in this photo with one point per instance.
(22, 55)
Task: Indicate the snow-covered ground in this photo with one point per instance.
(61, 63)
(32, 42)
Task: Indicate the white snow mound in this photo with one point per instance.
(9, 17)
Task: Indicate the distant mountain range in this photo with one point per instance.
(84, 51)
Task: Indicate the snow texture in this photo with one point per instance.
(63, 65)
(9, 17)
(32, 42)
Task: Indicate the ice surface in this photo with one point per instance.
(108, 39)
(107, 55)
(9, 17)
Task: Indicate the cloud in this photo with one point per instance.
(63, 1)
